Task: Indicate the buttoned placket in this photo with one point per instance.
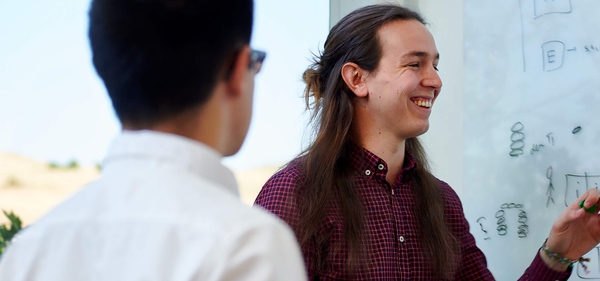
(393, 208)
(397, 237)
(398, 230)
(402, 217)
(393, 203)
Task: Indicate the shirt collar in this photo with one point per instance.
(372, 166)
(157, 148)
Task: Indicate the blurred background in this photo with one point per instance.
(56, 120)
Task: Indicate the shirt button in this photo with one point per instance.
(380, 167)
(401, 239)
(368, 172)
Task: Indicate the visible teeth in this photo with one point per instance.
(423, 103)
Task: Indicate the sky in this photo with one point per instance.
(54, 108)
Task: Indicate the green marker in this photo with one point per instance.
(587, 210)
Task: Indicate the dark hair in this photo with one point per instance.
(325, 161)
(159, 58)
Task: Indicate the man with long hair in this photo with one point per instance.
(361, 199)
(180, 74)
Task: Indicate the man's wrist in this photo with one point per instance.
(552, 264)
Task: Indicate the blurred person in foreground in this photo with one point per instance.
(180, 74)
(361, 198)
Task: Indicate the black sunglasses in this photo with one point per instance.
(256, 59)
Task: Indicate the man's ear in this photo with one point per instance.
(239, 71)
(354, 76)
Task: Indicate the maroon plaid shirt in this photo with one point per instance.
(390, 218)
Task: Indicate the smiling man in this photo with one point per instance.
(361, 198)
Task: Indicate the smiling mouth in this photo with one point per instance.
(422, 102)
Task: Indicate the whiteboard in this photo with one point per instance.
(531, 123)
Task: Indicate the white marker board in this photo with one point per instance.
(531, 123)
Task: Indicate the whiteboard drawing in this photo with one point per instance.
(553, 55)
(593, 266)
(578, 184)
(545, 7)
(530, 135)
(508, 209)
(479, 221)
(517, 139)
(550, 189)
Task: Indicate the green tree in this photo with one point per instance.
(7, 231)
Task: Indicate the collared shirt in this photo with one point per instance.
(390, 218)
(165, 208)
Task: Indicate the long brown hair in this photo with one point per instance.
(327, 173)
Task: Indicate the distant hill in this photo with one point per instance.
(31, 188)
(251, 181)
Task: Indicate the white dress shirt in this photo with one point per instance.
(164, 208)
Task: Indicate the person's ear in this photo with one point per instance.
(354, 77)
(239, 71)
